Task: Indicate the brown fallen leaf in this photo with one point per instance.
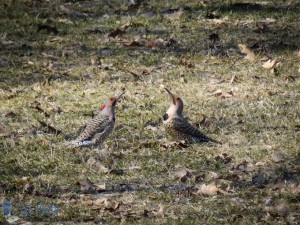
(269, 64)
(290, 78)
(210, 189)
(161, 211)
(227, 94)
(277, 157)
(114, 208)
(101, 202)
(280, 209)
(88, 202)
(217, 92)
(100, 187)
(117, 32)
(14, 220)
(224, 158)
(86, 185)
(248, 52)
(223, 94)
(96, 60)
(157, 43)
(182, 175)
(187, 63)
(101, 167)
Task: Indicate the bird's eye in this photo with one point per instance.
(165, 117)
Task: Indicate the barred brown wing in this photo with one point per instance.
(184, 127)
(97, 125)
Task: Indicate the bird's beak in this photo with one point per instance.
(120, 95)
(171, 95)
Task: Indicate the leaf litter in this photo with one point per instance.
(254, 173)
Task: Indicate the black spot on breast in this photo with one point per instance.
(114, 119)
(165, 117)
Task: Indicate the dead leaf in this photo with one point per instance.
(277, 157)
(217, 92)
(95, 60)
(30, 63)
(222, 94)
(157, 43)
(88, 202)
(117, 32)
(187, 63)
(86, 186)
(161, 211)
(210, 175)
(210, 189)
(114, 208)
(224, 158)
(227, 94)
(182, 175)
(101, 202)
(280, 209)
(290, 78)
(249, 54)
(269, 64)
(14, 220)
(101, 167)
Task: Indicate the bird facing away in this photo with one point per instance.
(100, 127)
(177, 127)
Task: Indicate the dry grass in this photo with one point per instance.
(255, 115)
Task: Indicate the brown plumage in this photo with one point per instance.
(177, 127)
(99, 128)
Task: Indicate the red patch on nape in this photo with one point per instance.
(103, 106)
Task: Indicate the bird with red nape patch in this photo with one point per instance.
(99, 128)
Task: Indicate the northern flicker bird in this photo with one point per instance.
(177, 127)
(99, 128)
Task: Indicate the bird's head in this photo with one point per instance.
(110, 103)
(176, 107)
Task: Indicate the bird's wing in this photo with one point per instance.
(95, 126)
(185, 127)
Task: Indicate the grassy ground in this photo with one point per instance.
(60, 60)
